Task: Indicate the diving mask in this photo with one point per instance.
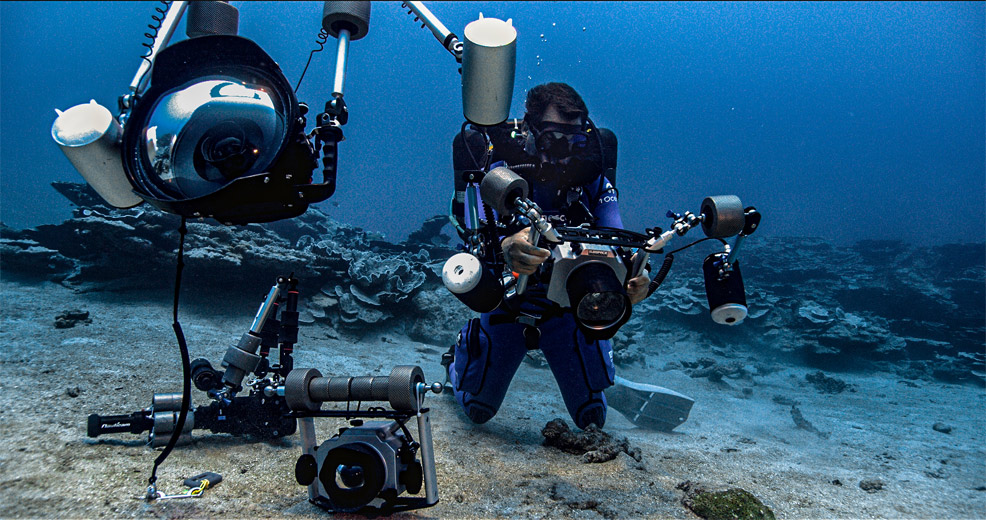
(560, 141)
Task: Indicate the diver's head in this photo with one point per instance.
(557, 117)
(559, 125)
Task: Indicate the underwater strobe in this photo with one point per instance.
(724, 216)
(589, 267)
(368, 465)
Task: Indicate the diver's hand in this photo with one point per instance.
(637, 288)
(520, 255)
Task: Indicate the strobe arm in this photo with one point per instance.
(447, 38)
(164, 33)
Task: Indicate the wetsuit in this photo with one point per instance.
(490, 348)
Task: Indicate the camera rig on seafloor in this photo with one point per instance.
(255, 414)
(589, 267)
(367, 465)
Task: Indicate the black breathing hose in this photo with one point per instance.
(186, 391)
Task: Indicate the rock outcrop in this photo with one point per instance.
(920, 311)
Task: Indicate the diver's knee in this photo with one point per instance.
(479, 413)
(594, 413)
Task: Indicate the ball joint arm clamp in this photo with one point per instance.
(539, 227)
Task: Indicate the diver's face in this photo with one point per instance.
(554, 123)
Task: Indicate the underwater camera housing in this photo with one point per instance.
(588, 278)
(224, 139)
(219, 133)
(234, 408)
(367, 466)
(589, 267)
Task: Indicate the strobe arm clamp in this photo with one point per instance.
(539, 227)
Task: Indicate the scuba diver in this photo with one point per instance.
(570, 165)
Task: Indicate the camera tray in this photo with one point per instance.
(607, 236)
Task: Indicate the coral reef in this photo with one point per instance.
(350, 277)
(916, 311)
(919, 311)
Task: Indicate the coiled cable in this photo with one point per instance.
(154, 28)
(323, 36)
(662, 273)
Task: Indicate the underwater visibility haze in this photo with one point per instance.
(840, 374)
(848, 120)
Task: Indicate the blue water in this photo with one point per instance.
(841, 120)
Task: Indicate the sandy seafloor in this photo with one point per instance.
(49, 468)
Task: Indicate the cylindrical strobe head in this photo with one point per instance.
(500, 188)
(489, 57)
(724, 216)
(210, 17)
(727, 298)
(472, 283)
(402, 392)
(90, 138)
(349, 15)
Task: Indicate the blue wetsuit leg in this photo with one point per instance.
(583, 369)
(486, 359)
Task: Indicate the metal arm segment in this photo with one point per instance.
(448, 39)
(341, 56)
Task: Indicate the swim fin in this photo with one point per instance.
(649, 406)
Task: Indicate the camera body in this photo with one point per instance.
(568, 257)
(369, 464)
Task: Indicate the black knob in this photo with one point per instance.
(306, 470)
